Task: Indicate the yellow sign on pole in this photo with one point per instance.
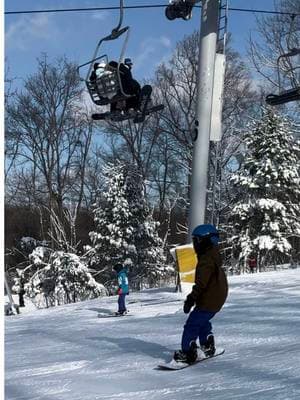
(186, 260)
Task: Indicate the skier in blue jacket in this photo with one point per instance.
(123, 288)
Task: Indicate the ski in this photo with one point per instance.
(174, 365)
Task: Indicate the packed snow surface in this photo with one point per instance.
(68, 353)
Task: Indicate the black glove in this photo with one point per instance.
(188, 304)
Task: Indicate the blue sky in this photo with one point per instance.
(76, 34)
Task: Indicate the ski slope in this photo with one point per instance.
(68, 353)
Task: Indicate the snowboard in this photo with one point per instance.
(137, 116)
(174, 365)
(116, 315)
(140, 117)
(145, 97)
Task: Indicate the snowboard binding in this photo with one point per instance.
(187, 357)
(209, 348)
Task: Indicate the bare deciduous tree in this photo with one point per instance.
(47, 121)
(176, 83)
(278, 34)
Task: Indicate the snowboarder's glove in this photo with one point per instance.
(188, 304)
(120, 291)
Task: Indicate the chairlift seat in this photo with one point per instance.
(283, 97)
(105, 89)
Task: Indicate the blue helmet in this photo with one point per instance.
(207, 230)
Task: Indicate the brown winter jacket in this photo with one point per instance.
(211, 287)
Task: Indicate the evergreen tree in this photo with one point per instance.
(150, 260)
(125, 231)
(61, 278)
(266, 214)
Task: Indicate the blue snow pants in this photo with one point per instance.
(121, 302)
(197, 326)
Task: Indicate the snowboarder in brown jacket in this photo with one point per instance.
(208, 295)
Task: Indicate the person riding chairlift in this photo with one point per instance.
(129, 84)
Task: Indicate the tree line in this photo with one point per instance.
(57, 162)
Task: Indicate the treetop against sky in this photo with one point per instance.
(76, 34)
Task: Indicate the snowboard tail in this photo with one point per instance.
(175, 366)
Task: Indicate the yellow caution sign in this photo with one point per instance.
(186, 260)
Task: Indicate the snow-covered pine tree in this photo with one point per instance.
(112, 237)
(150, 260)
(125, 231)
(61, 278)
(266, 213)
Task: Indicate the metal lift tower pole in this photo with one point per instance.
(205, 81)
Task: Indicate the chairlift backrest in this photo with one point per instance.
(284, 62)
(291, 94)
(108, 85)
(104, 83)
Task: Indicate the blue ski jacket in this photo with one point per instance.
(123, 280)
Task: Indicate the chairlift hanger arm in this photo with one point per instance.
(115, 34)
(102, 89)
(293, 17)
(291, 51)
(286, 56)
(112, 36)
(116, 29)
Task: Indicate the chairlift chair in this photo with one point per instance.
(292, 94)
(107, 88)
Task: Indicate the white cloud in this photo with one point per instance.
(151, 49)
(101, 15)
(165, 41)
(27, 28)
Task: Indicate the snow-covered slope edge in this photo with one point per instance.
(69, 353)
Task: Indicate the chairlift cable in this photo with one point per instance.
(144, 6)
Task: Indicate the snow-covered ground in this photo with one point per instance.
(68, 353)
